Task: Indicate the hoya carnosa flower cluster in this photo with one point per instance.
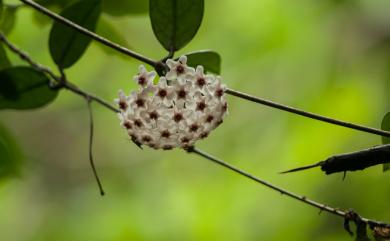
(183, 107)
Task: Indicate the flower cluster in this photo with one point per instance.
(183, 107)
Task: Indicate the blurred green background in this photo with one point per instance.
(330, 57)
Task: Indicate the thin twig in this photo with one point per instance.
(300, 198)
(56, 79)
(90, 148)
(307, 114)
(90, 34)
(81, 92)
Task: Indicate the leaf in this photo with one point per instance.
(125, 7)
(1, 8)
(7, 22)
(175, 22)
(67, 45)
(210, 60)
(386, 140)
(4, 61)
(24, 88)
(55, 3)
(10, 153)
(107, 30)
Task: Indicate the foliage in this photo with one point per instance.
(67, 45)
(175, 22)
(24, 88)
(10, 153)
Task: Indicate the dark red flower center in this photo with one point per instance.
(153, 115)
(201, 106)
(138, 123)
(181, 94)
(177, 117)
(194, 127)
(127, 125)
(200, 82)
(140, 102)
(122, 105)
(142, 80)
(209, 118)
(180, 69)
(165, 134)
(219, 92)
(162, 93)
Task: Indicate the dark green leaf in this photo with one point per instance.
(24, 88)
(124, 7)
(7, 22)
(386, 140)
(4, 61)
(108, 30)
(67, 45)
(1, 9)
(210, 60)
(55, 3)
(175, 22)
(10, 154)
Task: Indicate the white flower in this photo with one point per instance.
(178, 70)
(144, 78)
(164, 93)
(217, 87)
(122, 102)
(174, 113)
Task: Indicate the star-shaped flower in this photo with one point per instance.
(144, 78)
(178, 69)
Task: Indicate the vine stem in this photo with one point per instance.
(307, 114)
(157, 66)
(305, 200)
(90, 34)
(90, 152)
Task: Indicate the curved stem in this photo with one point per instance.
(307, 114)
(90, 34)
(90, 152)
(292, 195)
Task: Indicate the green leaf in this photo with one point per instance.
(210, 60)
(125, 7)
(4, 61)
(386, 140)
(10, 153)
(106, 29)
(24, 88)
(55, 3)
(7, 22)
(175, 22)
(67, 45)
(1, 8)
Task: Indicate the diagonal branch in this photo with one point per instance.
(305, 200)
(90, 34)
(307, 114)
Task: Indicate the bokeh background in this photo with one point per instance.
(326, 56)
